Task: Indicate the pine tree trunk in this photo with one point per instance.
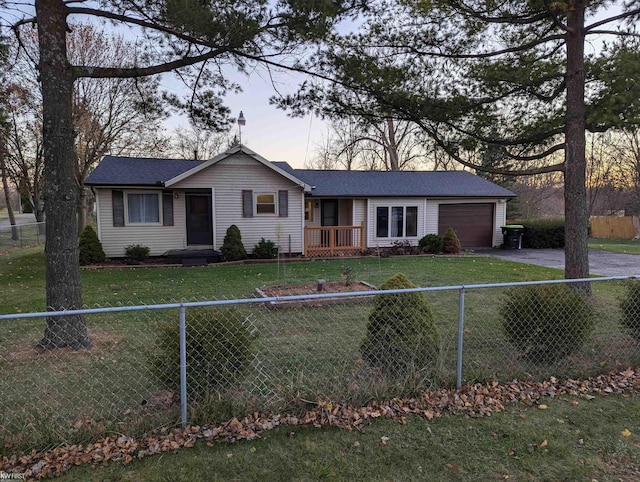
(63, 285)
(576, 218)
(394, 159)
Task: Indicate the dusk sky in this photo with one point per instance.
(268, 131)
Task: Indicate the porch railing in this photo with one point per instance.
(333, 240)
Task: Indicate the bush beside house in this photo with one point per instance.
(431, 243)
(232, 248)
(136, 253)
(265, 249)
(91, 251)
(451, 243)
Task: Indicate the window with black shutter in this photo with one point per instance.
(167, 209)
(283, 204)
(117, 203)
(247, 203)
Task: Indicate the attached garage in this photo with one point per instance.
(472, 222)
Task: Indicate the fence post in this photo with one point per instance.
(460, 339)
(183, 367)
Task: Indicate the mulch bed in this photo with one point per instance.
(312, 289)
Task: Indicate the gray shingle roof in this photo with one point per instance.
(396, 183)
(132, 171)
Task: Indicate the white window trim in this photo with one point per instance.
(126, 209)
(265, 193)
(390, 217)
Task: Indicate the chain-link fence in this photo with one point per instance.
(21, 235)
(200, 361)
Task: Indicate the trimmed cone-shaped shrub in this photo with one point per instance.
(402, 337)
(232, 248)
(451, 243)
(218, 347)
(630, 307)
(546, 323)
(91, 251)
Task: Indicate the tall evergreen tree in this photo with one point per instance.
(510, 77)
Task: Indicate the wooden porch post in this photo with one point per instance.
(332, 241)
(306, 241)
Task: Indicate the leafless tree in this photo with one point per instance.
(198, 143)
(355, 143)
(110, 116)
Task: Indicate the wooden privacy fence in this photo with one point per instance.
(612, 227)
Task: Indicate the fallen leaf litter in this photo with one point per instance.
(478, 400)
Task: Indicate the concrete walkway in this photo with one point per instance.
(603, 263)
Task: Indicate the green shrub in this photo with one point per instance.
(402, 338)
(451, 243)
(137, 252)
(543, 233)
(546, 322)
(265, 249)
(90, 247)
(630, 307)
(232, 248)
(431, 243)
(218, 347)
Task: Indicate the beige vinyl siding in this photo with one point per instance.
(360, 215)
(500, 215)
(431, 221)
(315, 204)
(373, 203)
(501, 220)
(229, 177)
(159, 239)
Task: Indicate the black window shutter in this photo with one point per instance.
(117, 202)
(247, 203)
(283, 204)
(167, 209)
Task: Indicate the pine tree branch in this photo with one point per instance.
(622, 16)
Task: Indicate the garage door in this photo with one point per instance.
(473, 223)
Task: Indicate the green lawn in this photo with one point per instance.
(625, 246)
(22, 278)
(565, 442)
(301, 354)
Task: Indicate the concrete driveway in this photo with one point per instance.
(603, 263)
(20, 219)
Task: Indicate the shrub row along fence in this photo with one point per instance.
(206, 361)
(21, 235)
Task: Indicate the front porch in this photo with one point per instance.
(329, 241)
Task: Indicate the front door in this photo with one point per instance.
(328, 217)
(199, 220)
(329, 212)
